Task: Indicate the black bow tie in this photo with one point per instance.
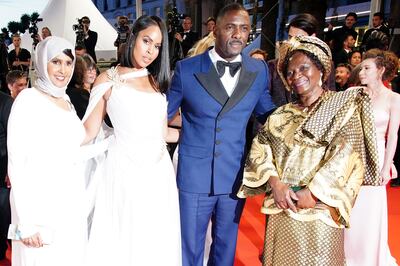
(233, 67)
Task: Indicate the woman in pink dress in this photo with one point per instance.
(366, 242)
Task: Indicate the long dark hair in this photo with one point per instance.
(159, 68)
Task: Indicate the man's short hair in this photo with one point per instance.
(379, 14)
(352, 14)
(306, 22)
(345, 65)
(15, 75)
(85, 18)
(16, 35)
(229, 8)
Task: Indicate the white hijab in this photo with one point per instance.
(46, 50)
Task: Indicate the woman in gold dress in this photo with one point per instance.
(310, 158)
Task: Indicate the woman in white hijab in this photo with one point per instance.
(47, 196)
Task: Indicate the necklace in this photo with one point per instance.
(307, 108)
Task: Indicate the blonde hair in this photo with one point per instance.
(202, 45)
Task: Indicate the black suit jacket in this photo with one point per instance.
(188, 41)
(5, 107)
(90, 44)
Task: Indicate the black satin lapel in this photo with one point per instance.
(246, 79)
(213, 85)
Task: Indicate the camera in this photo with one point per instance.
(123, 30)
(79, 29)
(79, 26)
(33, 30)
(174, 19)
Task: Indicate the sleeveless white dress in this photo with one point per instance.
(366, 241)
(136, 218)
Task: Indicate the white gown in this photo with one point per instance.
(366, 242)
(48, 188)
(136, 218)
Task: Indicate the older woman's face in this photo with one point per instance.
(302, 75)
(60, 69)
(90, 75)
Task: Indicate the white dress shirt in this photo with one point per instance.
(227, 80)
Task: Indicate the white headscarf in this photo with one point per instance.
(46, 50)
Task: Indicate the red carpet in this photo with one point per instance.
(251, 231)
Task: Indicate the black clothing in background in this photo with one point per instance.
(338, 35)
(189, 39)
(5, 211)
(90, 44)
(24, 55)
(79, 99)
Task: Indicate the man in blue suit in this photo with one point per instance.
(217, 92)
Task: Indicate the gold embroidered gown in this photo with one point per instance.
(328, 150)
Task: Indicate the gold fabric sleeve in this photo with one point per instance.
(339, 179)
(259, 167)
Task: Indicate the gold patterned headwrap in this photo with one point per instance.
(309, 44)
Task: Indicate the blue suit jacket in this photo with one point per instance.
(212, 143)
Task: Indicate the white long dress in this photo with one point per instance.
(136, 218)
(48, 187)
(366, 242)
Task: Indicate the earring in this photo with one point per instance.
(320, 80)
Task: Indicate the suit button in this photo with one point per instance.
(217, 142)
(218, 129)
(219, 118)
(216, 154)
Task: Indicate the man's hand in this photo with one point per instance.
(178, 36)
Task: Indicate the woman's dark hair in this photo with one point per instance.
(353, 52)
(82, 64)
(68, 52)
(306, 22)
(159, 68)
(311, 56)
(79, 73)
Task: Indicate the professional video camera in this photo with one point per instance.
(174, 19)
(79, 29)
(123, 30)
(33, 29)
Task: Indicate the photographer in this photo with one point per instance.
(89, 37)
(3, 64)
(187, 38)
(19, 58)
(46, 32)
(123, 31)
